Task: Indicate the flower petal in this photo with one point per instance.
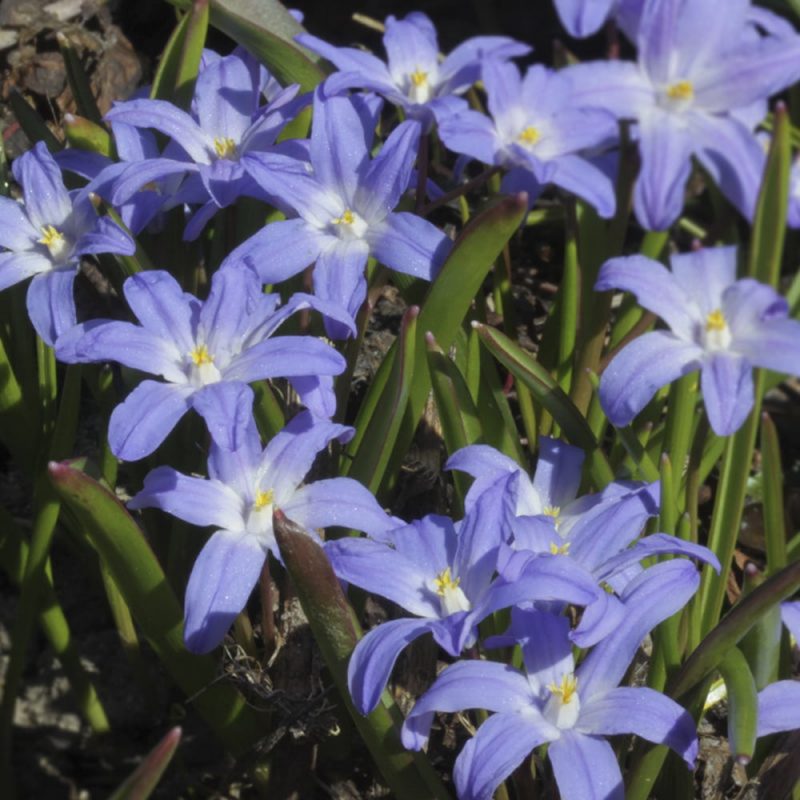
(558, 472)
(105, 236)
(225, 98)
(375, 655)
(582, 18)
(643, 712)
(409, 244)
(278, 251)
(140, 424)
(46, 200)
(195, 500)
(16, 230)
(16, 267)
(583, 179)
(665, 146)
(500, 745)
(469, 684)
(168, 119)
(585, 768)
(339, 278)
(640, 369)
(343, 502)
(727, 384)
(221, 581)
(779, 707)
(51, 303)
(618, 86)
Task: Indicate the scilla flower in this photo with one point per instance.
(719, 325)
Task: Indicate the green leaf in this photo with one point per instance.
(177, 71)
(774, 520)
(461, 425)
(144, 779)
(84, 134)
(377, 436)
(137, 573)
(336, 632)
(769, 225)
(550, 395)
(267, 30)
(742, 704)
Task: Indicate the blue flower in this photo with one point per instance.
(245, 485)
(537, 131)
(45, 237)
(197, 348)
(699, 88)
(552, 701)
(414, 78)
(719, 325)
(345, 204)
(215, 142)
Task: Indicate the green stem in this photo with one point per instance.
(678, 433)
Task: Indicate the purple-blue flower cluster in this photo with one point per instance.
(579, 575)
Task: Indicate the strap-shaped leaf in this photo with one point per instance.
(137, 573)
(267, 30)
(141, 783)
(742, 704)
(87, 135)
(180, 61)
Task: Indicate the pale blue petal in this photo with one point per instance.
(582, 18)
(16, 230)
(461, 67)
(225, 98)
(339, 278)
(221, 581)
(779, 708)
(342, 502)
(51, 303)
(727, 384)
(558, 472)
(640, 369)
(227, 409)
(618, 86)
(16, 267)
(140, 424)
(655, 289)
(643, 712)
(195, 500)
(409, 244)
(586, 181)
(704, 275)
(469, 684)
(585, 768)
(375, 655)
(46, 200)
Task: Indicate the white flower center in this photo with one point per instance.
(716, 334)
(563, 707)
(419, 86)
(225, 147)
(350, 225)
(259, 516)
(201, 369)
(452, 597)
(677, 96)
(55, 242)
(529, 136)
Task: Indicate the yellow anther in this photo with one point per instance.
(559, 550)
(200, 356)
(529, 136)
(263, 499)
(444, 582)
(716, 321)
(225, 146)
(347, 218)
(52, 239)
(418, 78)
(567, 688)
(682, 90)
(552, 511)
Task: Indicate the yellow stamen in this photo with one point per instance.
(444, 582)
(716, 321)
(568, 687)
(561, 550)
(225, 146)
(263, 499)
(529, 136)
(52, 238)
(347, 218)
(200, 355)
(552, 511)
(418, 78)
(682, 90)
